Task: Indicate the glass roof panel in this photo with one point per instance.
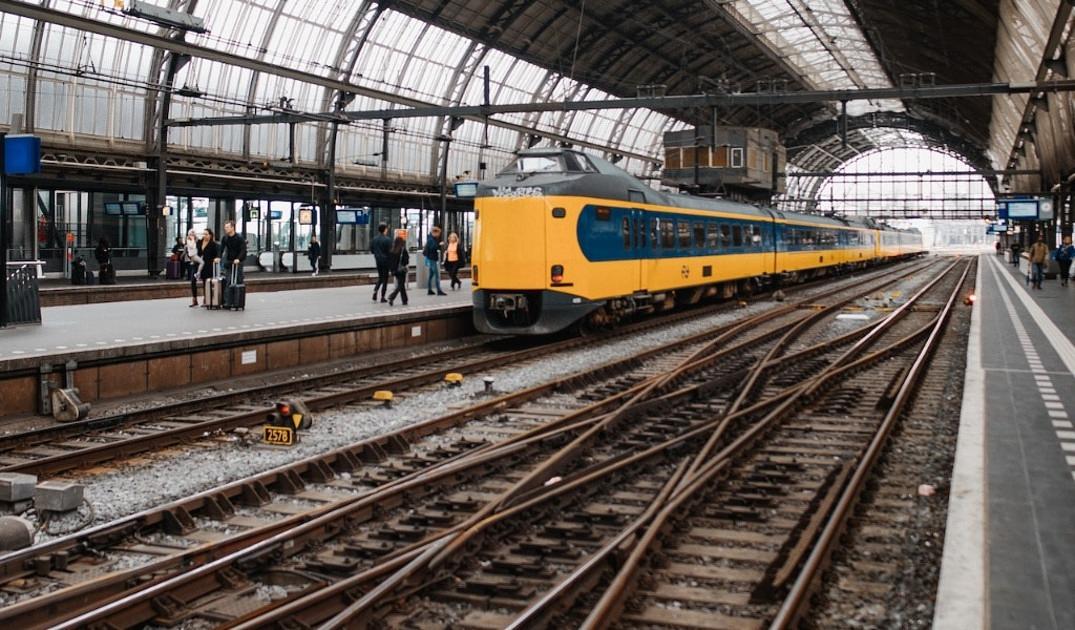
(820, 39)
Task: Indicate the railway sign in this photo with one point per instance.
(280, 436)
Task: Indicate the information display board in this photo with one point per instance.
(1023, 209)
(113, 208)
(466, 190)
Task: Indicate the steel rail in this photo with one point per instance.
(433, 546)
(97, 454)
(689, 484)
(488, 516)
(500, 402)
(798, 596)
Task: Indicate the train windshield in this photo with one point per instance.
(566, 162)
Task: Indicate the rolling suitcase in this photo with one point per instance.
(235, 291)
(174, 270)
(214, 289)
(108, 274)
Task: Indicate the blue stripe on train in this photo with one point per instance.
(608, 233)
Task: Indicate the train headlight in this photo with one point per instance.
(557, 274)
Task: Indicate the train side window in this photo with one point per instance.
(725, 236)
(641, 230)
(668, 234)
(626, 233)
(654, 229)
(699, 235)
(756, 236)
(712, 240)
(683, 229)
(737, 235)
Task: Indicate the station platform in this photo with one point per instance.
(130, 347)
(1009, 558)
(60, 291)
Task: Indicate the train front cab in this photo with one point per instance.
(537, 284)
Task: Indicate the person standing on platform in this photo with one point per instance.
(1016, 250)
(207, 251)
(1039, 257)
(190, 255)
(432, 256)
(453, 259)
(103, 254)
(398, 261)
(313, 252)
(1000, 250)
(233, 252)
(1063, 256)
(380, 248)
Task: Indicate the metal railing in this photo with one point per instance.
(23, 303)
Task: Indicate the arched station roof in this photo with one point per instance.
(75, 84)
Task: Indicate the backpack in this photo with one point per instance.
(1063, 253)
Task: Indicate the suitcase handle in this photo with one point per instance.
(234, 274)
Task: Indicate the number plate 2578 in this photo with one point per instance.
(280, 436)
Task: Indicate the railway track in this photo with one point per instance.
(376, 506)
(65, 447)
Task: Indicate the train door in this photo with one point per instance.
(639, 247)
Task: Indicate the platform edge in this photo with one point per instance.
(960, 601)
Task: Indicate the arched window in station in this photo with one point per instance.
(936, 191)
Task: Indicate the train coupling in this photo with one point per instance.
(507, 302)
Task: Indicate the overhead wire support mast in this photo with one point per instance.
(692, 101)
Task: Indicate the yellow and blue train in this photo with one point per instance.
(563, 238)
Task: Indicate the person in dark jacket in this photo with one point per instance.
(232, 252)
(398, 261)
(209, 252)
(1063, 256)
(313, 252)
(103, 252)
(432, 256)
(381, 247)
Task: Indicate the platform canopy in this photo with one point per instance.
(85, 73)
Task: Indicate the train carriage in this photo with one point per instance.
(563, 238)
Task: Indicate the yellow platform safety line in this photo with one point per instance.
(383, 395)
(453, 379)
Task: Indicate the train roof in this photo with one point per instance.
(576, 175)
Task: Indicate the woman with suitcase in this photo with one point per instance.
(207, 250)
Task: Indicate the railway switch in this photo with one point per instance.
(15, 533)
(58, 496)
(16, 492)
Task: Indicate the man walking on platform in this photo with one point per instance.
(1039, 257)
(432, 256)
(1064, 255)
(381, 248)
(233, 253)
